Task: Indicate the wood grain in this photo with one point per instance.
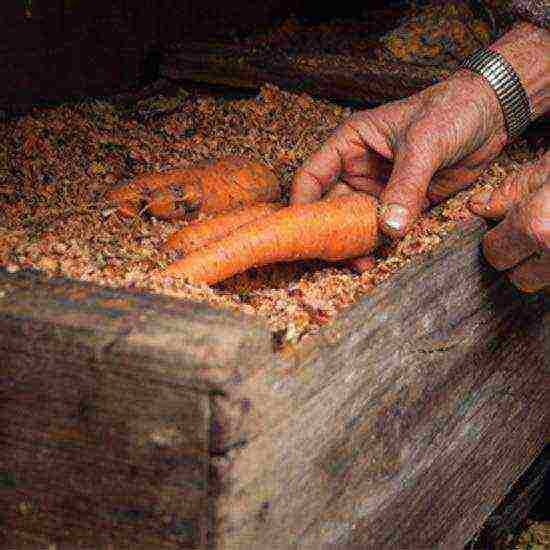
(102, 439)
(526, 493)
(234, 66)
(402, 425)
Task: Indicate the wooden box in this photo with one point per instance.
(140, 421)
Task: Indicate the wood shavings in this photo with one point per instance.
(58, 163)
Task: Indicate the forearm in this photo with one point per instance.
(527, 48)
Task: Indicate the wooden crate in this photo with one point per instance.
(142, 421)
(525, 496)
(344, 60)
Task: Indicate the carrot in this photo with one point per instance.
(336, 229)
(209, 187)
(201, 233)
(363, 263)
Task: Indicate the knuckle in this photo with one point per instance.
(538, 219)
(357, 126)
(539, 231)
(532, 219)
(367, 130)
(418, 146)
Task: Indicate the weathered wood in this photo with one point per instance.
(235, 66)
(524, 496)
(401, 426)
(408, 421)
(102, 439)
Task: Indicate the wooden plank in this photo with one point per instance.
(83, 473)
(320, 61)
(117, 451)
(526, 493)
(193, 344)
(401, 426)
(409, 418)
(235, 66)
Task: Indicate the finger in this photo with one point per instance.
(515, 188)
(448, 181)
(452, 180)
(405, 193)
(347, 152)
(315, 177)
(366, 185)
(533, 274)
(524, 231)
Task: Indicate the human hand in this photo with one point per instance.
(428, 146)
(521, 242)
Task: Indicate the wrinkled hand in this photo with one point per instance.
(408, 152)
(521, 242)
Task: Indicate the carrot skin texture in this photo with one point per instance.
(132, 195)
(202, 233)
(209, 187)
(337, 229)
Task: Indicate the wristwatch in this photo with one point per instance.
(507, 86)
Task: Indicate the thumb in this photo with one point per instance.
(405, 194)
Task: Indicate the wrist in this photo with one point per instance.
(527, 48)
(481, 92)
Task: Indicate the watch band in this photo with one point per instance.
(507, 86)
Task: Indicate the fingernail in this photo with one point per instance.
(396, 217)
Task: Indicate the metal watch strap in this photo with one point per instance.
(507, 86)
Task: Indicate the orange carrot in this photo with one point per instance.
(336, 229)
(209, 187)
(201, 233)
